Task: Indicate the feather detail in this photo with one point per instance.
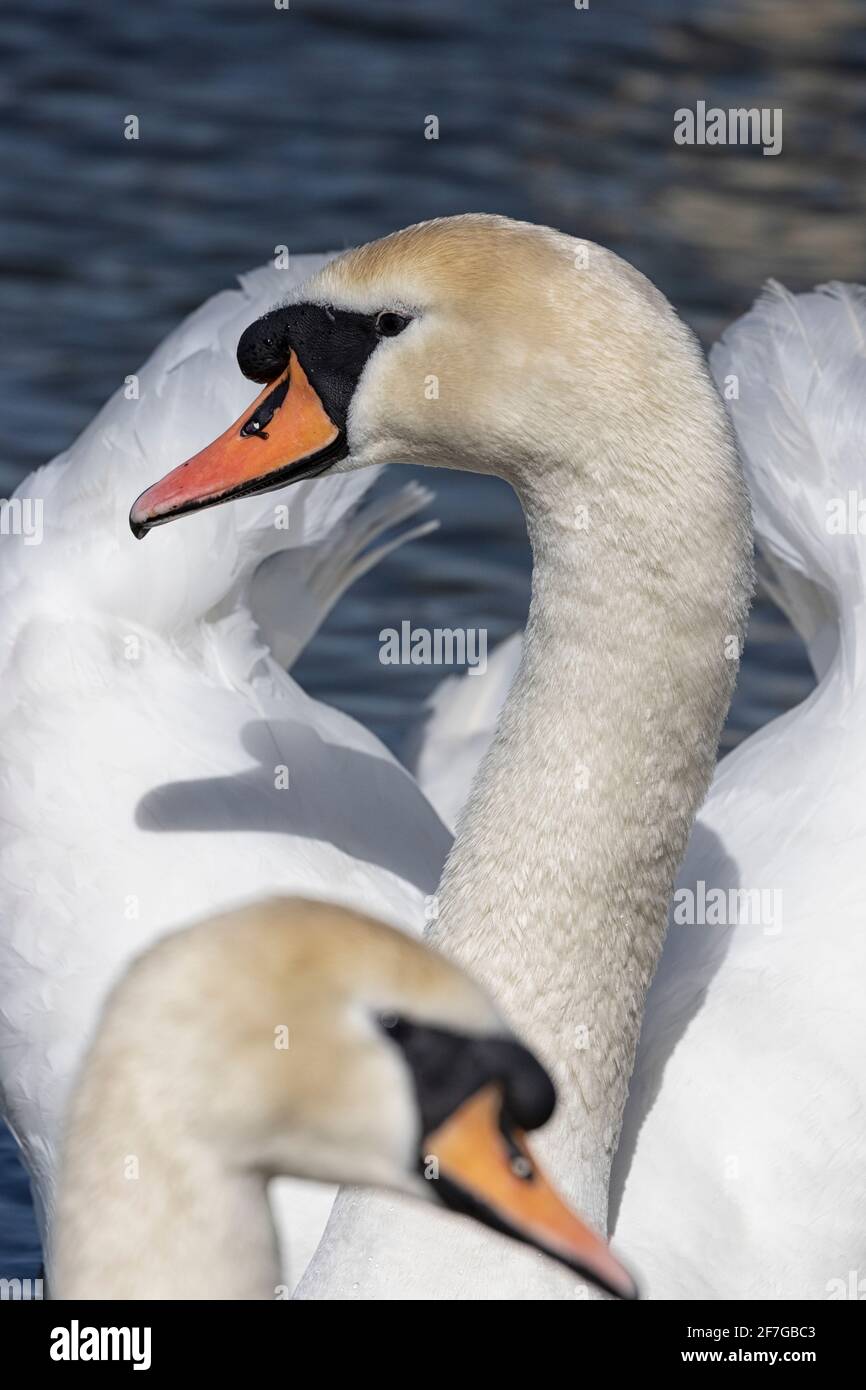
(793, 372)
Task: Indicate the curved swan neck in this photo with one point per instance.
(556, 890)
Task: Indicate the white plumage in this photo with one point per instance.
(145, 725)
(746, 1114)
(147, 733)
(744, 1142)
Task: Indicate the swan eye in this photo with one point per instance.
(390, 1022)
(389, 324)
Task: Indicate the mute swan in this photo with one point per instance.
(478, 343)
(158, 765)
(293, 1037)
(745, 1118)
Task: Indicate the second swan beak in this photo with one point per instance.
(488, 1172)
(285, 435)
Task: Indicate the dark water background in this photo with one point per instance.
(260, 127)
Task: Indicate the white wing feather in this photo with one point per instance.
(157, 762)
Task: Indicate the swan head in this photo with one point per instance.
(301, 1038)
(470, 342)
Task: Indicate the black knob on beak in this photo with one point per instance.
(264, 347)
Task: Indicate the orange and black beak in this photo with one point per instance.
(487, 1171)
(285, 435)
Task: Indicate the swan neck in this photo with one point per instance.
(556, 890)
(146, 1212)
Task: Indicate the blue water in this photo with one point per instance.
(261, 127)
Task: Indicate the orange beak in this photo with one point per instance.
(492, 1176)
(285, 435)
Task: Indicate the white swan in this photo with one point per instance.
(147, 735)
(293, 1037)
(734, 1215)
(744, 1135)
(561, 368)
